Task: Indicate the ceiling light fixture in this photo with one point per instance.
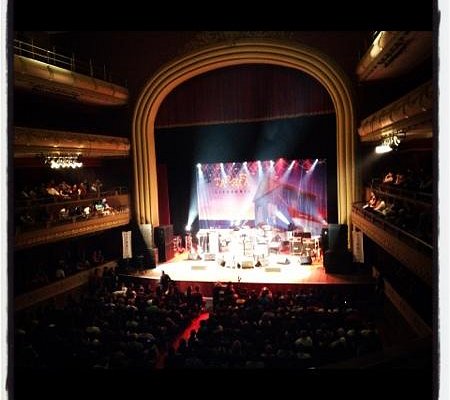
(63, 161)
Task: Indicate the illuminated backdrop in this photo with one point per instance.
(281, 193)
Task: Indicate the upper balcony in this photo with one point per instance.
(412, 113)
(51, 73)
(393, 53)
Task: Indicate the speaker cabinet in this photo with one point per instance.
(337, 237)
(163, 234)
(164, 242)
(338, 262)
(165, 252)
(324, 240)
(305, 260)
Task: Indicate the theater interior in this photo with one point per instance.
(222, 205)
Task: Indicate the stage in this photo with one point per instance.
(279, 276)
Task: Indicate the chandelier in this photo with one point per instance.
(63, 161)
(390, 142)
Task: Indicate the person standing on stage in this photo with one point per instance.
(164, 282)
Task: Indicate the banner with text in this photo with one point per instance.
(126, 244)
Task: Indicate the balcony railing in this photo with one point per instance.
(401, 234)
(411, 251)
(51, 57)
(52, 222)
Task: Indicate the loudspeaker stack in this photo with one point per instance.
(337, 258)
(164, 242)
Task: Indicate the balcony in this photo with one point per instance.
(53, 289)
(47, 72)
(393, 53)
(50, 222)
(412, 114)
(412, 252)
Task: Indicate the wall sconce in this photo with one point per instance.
(390, 142)
(63, 161)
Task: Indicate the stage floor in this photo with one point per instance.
(182, 270)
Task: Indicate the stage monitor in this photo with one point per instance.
(282, 194)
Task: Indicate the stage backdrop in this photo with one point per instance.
(282, 193)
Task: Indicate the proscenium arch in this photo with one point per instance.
(297, 56)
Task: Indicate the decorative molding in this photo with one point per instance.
(414, 320)
(56, 288)
(418, 263)
(407, 113)
(393, 53)
(28, 142)
(242, 51)
(66, 231)
(48, 79)
(207, 38)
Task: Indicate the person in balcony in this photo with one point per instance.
(371, 203)
(389, 178)
(380, 206)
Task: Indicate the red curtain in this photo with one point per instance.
(163, 195)
(244, 93)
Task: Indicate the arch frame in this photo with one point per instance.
(242, 51)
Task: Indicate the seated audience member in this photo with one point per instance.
(372, 201)
(389, 178)
(399, 179)
(380, 205)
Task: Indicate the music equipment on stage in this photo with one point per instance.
(193, 256)
(296, 246)
(337, 237)
(209, 256)
(305, 260)
(248, 264)
(164, 242)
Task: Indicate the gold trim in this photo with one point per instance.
(413, 319)
(242, 51)
(28, 142)
(394, 52)
(418, 263)
(407, 113)
(66, 231)
(36, 75)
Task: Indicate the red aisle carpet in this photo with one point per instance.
(195, 324)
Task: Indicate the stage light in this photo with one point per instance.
(199, 165)
(188, 228)
(311, 169)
